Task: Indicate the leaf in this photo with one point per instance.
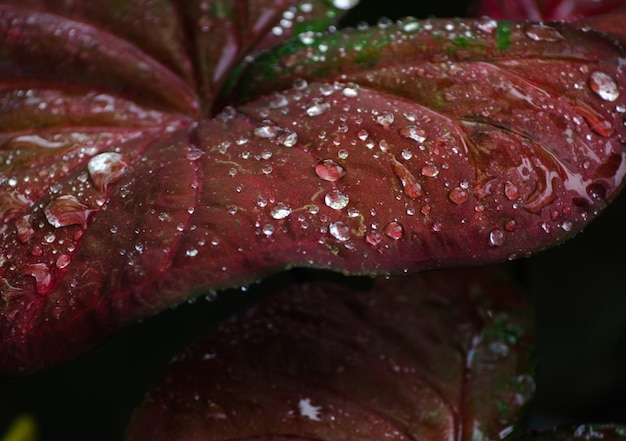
(443, 355)
(544, 10)
(119, 199)
(606, 432)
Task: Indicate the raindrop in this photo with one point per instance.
(345, 4)
(545, 227)
(362, 135)
(496, 238)
(430, 170)
(373, 238)
(42, 275)
(326, 89)
(194, 153)
(394, 230)
(267, 130)
(67, 210)
(566, 226)
(280, 210)
(317, 108)
(541, 32)
(385, 119)
(288, 138)
(407, 154)
(604, 86)
(412, 188)
(24, 229)
(49, 237)
(268, 229)
(339, 231)
(329, 170)
(353, 212)
(300, 84)
(278, 100)
(192, 252)
(413, 132)
(510, 191)
(351, 90)
(343, 154)
(106, 168)
(307, 37)
(63, 261)
(510, 225)
(336, 199)
(458, 195)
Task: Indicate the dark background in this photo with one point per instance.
(576, 289)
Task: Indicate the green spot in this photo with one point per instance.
(460, 41)
(503, 35)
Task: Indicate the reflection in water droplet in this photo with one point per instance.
(67, 210)
(339, 231)
(604, 86)
(385, 119)
(362, 135)
(329, 170)
(63, 261)
(411, 187)
(351, 90)
(541, 32)
(394, 230)
(458, 195)
(336, 199)
(373, 238)
(413, 132)
(288, 138)
(317, 108)
(510, 191)
(281, 210)
(496, 238)
(267, 130)
(268, 229)
(106, 168)
(42, 275)
(430, 170)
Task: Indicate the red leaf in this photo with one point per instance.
(118, 199)
(443, 355)
(545, 10)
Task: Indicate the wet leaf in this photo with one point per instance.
(438, 143)
(544, 10)
(582, 432)
(442, 355)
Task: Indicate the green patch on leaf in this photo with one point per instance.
(503, 35)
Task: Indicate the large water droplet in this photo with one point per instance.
(339, 231)
(458, 195)
(413, 132)
(329, 170)
(604, 86)
(412, 188)
(24, 229)
(336, 199)
(430, 170)
(541, 32)
(67, 210)
(106, 168)
(510, 191)
(63, 261)
(385, 119)
(496, 238)
(317, 108)
(267, 130)
(394, 230)
(288, 138)
(42, 275)
(280, 210)
(345, 4)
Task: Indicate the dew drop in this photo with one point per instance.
(407, 154)
(24, 229)
(510, 225)
(345, 4)
(288, 138)
(411, 187)
(413, 132)
(458, 195)
(604, 86)
(192, 252)
(430, 170)
(362, 135)
(194, 153)
(329, 170)
(339, 231)
(566, 226)
(343, 154)
(373, 238)
(541, 32)
(106, 168)
(385, 119)
(351, 90)
(496, 238)
(267, 130)
(42, 275)
(394, 230)
(510, 191)
(67, 210)
(268, 229)
(280, 211)
(63, 261)
(317, 108)
(336, 199)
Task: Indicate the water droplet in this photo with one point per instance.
(288, 138)
(541, 32)
(510, 225)
(546, 227)
(106, 168)
(412, 188)
(194, 153)
(268, 229)
(300, 84)
(326, 89)
(345, 4)
(67, 210)
(42, 275)
(413, 132)
(339, 231)
(510, 191)
(362, 135)
(192, 252)
(351, 90)
(604, 86)
(343, 154)
(385, 119)
(407, 154)
(336, 199)
(280, 210)
(566, 226)
(496, 238)
(394, 230)
(307, 37)
(317, 108)
(63, 261)
(373, 238)
(329, 170)
(24, 229)
(430, 170)
(458, 195)
(267, 130)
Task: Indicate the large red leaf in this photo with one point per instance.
(118, 199)
(439, 356)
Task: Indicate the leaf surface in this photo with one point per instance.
(438, 356)
(545, 10)
(420, 150)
